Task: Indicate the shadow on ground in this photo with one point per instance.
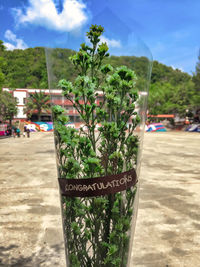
(47, 256)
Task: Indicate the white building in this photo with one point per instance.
(21, 96)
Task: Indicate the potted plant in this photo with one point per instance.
(97, 163)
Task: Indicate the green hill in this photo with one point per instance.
(171, 91)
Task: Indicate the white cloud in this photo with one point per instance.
(44, 13)
(16, 43)
(175, 68)
(10, 36)
(110, 42)
(9, 46)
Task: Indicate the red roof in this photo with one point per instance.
(162, 116)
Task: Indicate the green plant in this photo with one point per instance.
(8, 106)
(38, 101)
(97, 229)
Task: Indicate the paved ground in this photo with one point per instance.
(168, 225)
(30, 224)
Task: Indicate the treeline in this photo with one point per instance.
(24, 68)
(171, 91)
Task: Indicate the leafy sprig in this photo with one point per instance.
(102, 224)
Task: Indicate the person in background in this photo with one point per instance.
(9, 132)
(28, 132)
(13, 132)
(18, 132)
(24, 132)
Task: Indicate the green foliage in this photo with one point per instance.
(2, 47)
(164, 74)
(24, 68)
(8, 106)
(168, 99)
(97, 229)
(196, 76)
(27, 69)
(172, 91)
(196, 80)
(2, 65)
(38, 101)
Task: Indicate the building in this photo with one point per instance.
(22, 95)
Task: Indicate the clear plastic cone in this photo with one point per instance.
(99, 91)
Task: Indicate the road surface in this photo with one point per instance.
(168, 224)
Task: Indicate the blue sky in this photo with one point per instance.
(170, 28)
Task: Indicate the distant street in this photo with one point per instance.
(168, 225)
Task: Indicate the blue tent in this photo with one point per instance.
(193, 128)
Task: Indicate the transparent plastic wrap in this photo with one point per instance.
(99, 99)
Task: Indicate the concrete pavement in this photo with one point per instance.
(168, 225)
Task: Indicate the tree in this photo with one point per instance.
(165, 98)
(196, 80)
(196, 75)
(2, 64)
(38, 101)
(2, 46)
(160, 96)
(182, 98)
(25, 68)
(2, 76)
(8, 106)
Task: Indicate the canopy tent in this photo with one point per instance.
(165, 116)
(193, 128)
(155, 127)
